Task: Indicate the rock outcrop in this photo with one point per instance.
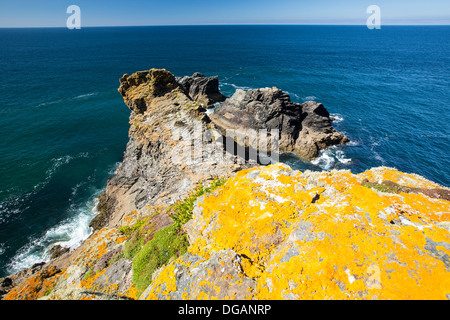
(304, 129)
(277, 233)
(204, 90)
(165, 121)
(185, 221)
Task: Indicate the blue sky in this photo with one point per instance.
(52, 13)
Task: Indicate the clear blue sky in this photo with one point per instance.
(52, 13)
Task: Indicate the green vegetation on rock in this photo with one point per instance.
(166, 243)
(182, 211)
(150, 249)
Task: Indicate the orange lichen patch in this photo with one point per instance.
(253, 215)
(132, 292)
(422, 206)
(100, 284)
(36, 286)
(330, 239)
(129, 218)
(122, 239)
(164, 283)
(94, 285)
(96, 246)
(405, 179)
(336, 266)
(340, 181)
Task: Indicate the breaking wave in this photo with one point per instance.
(332, 158)
(69, 234)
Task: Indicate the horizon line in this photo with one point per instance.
(223, 24)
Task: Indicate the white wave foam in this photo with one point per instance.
(235, 86)
(211, 110)
(330, 158)
(56, 164)
(15, 204)
(12, 206)
(375, 143)
(43, 104)
(76, 229)
(340, 155)
(326, 161)
(310, 98)
(69, 234)
(353, 143)
(81, 96)
(337, 117)
(2, 248)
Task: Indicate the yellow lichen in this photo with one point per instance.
(356, 242)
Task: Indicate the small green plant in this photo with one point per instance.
(138, 235)
(166, 244)
(182, 211)
(48, 292)
(383, 187)
(150, 250)
(89, 274)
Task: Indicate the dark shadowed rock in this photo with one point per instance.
(204, 90)
(57, 251)
(303, 128)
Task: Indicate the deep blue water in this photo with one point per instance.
(64, 126)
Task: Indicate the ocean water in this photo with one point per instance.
(64, 126)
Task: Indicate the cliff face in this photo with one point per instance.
(165, 121)
(187, 221)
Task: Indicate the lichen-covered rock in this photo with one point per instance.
(94, 271)
(143, 86)
(191, 277)
(268, 233)
(35, 286)
(315, 235)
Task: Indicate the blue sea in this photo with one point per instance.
(64, 126)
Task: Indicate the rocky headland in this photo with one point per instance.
(187, 216)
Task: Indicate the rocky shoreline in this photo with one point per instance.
(192, 213)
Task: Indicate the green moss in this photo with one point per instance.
(150, 250)
(48, 291)
(166, 244)
(89, 274)
(383, 187)
(138, 234)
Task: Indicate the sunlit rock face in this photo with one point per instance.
(276, 233)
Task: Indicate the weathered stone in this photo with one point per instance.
(57, 251)
(204, 90)
(303, 128)
(292, 245)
